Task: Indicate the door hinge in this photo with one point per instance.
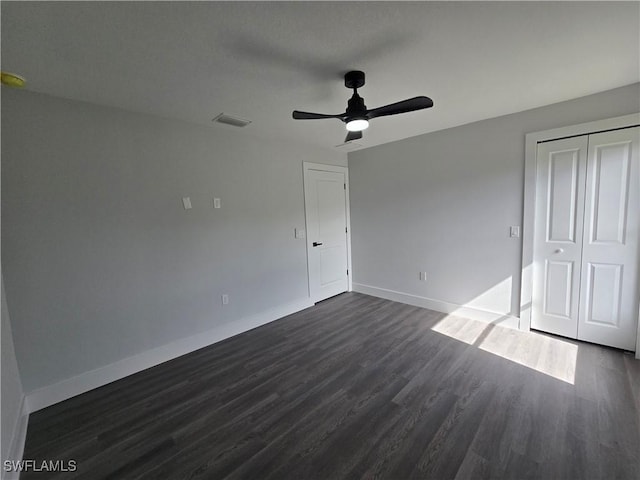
(347, 271)
(345, 186)
(345, 230)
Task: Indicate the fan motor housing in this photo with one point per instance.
(356, 108)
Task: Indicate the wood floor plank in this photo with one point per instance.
(455, 435)
(476, 467)
(400, 446)
(358, 387)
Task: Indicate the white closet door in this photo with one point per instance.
(558, 235)
(608, 312)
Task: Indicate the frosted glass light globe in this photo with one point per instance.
(357, 125)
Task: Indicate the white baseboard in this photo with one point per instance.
(497, 318)
(18, 437)
(84, 382)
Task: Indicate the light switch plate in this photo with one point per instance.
(300, 233)
(186, 202)
(514, 232)
(216, 203)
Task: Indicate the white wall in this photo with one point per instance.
(101, 261)
(443, 203)
(14, 419)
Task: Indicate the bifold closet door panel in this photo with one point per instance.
(608, 312)
(558, 235)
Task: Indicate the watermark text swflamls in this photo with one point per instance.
(40, 466)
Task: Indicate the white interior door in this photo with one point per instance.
(610, 260)
(558, 235)
(326, 213)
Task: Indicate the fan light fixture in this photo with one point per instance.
(357, 125)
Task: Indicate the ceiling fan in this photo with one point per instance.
(357, 115)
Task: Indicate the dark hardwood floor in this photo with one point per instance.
(359, 387)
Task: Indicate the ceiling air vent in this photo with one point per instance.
(229, 120)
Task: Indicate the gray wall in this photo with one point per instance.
(101, 261)
(443, 203)
(12, 393)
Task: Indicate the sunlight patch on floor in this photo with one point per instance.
(461, 329)
(547, 355)
(543, 354)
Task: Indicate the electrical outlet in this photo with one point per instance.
(225, 299)
(216, 203)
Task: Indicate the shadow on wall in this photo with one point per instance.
(495, 299)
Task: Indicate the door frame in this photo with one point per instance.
(528, 220)
(306, 167)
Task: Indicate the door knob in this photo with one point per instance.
(317, 244)
(559, 250)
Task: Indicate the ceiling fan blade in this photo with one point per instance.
(353, 136)
(410, 105)
(312, 116)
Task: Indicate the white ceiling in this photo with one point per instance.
(262, 60)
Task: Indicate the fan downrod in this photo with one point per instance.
(354, 79)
